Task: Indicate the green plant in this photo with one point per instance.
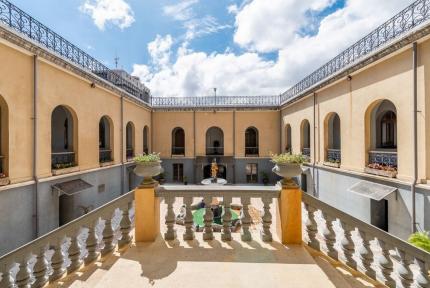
(264, 175)
(288, 158)
(147, 158)
(421, 240)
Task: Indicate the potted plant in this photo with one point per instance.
(185, 180)
(148, 166)
(288, 165)
(265, 177)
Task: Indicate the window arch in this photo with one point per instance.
(288, 147)
(214, 141)
(251, 142)
(105, 139)
(146, 139)
(4, 137)
(305, 138)
(178, 141)
(129, 140)
(332, 138)
(63, 137)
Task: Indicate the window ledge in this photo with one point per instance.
(57, 172)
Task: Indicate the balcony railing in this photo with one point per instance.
(306, 152)
(62, 251)
(18, 20)
(61, 160)
(407, 20)
(129, 153)
(251, 151)
(387, 158)
(178, 151)
(218, 101)
(333, 155)
(105, 155)
(214, 151)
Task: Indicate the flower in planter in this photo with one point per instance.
(147, 158)
(288, 158)
(2, 175)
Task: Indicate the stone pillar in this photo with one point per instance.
(290, 212)
(147, 213)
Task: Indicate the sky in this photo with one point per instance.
(188, 47)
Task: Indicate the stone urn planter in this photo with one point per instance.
(287, 171)
(147, 170)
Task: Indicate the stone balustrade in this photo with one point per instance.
(66, 249)
(245, 193)
(363, 247)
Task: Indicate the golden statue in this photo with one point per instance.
(214, 169)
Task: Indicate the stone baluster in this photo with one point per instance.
(108, 236)
(226, 219)
(246, 219)
(188, 219)
(403, 270)
(170, 219)
(311, 228)
(74, 252)
(22, 278)
(348, 246)
(6, 280)
(329, 236)
(125, 226)
(366, 255)
(40, 269)
(92, 243)
(385, 264)
(422, 277)
(266, 235)
(208, 219)
(57, 261)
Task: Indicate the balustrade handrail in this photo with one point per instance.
(391, 240)
(384, 151)
(216, 101)
(63, 153)
(20, 253)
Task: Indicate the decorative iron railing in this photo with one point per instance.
(333, 155)
(129, 153)
(105, 155)
(388, 158)
(60, 160)
(18, 20)
(306, 152)
(178, 150)
(214, 151)
(412, 16)
(251, 151)
(216, 101)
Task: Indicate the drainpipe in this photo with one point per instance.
(194, 146)
(415, 141)
(234, 146)
(122, 145)
(36, 180)
(314, 144)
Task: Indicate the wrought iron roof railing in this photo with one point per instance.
(409, 18)
(18, 20)
(216, 101)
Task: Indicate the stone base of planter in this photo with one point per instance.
(390, 174)
(4, 181)
(104, 164)
(332, 164)
(56, 172)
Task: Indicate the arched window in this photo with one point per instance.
(4, 141)
(63, 140)
(145, 139)
(214, 141)
(288, 147)
(178, 141)
(105, 140)
(332, 138)
(129, 140)
(251, 141)
(381, 135)
(306, 138)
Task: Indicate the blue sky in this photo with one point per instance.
(187, 47)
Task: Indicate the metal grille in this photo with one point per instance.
(387, 158)
(216, 101)
(333, 155)
(414, 15)
(18, 20)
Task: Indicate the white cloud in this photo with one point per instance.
(233, 9)
(159, 50)
(181, 11)
(273, 28)
(116, 12)
(202, 26)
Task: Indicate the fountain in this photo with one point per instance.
(214, 180)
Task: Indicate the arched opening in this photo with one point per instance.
(332, 138)
(63, 138)
(145, 139)
(214, 141)
(305, 138)
(381, 137)
(4, 142)
(178, 141)
(129, 140)
(251, 142)
(288, 147)
(105, 140)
